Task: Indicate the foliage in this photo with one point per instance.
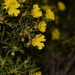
(22, 27)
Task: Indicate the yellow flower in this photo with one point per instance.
(49, 14)
(13, 11)
(42, 26)
(35, 12)
(11, 6)
(12, 53)
(37, 73)
(46, 6)
(55, 34)
(38, 41)
(61, 6)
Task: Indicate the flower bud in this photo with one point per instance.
(22, 39)
(15, 48)
(20, 34)
(12, 53)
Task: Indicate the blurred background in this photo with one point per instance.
(58, 56)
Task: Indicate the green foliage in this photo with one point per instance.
(10, 65)
(16, 32)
